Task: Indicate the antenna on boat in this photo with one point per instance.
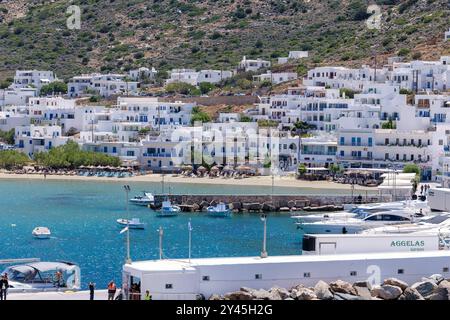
(161, 233)
(264, 251)
(127, 189)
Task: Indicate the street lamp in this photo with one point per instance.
(264, 251)
(127, 190)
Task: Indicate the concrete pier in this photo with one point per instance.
(266, 203)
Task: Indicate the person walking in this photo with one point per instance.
(147, 295)
(2, 280)
(111, 290)
(91, 290)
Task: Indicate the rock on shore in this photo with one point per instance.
(435, 287)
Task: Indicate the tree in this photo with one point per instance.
(199, 116)
(334, 168)
(182, 88)
(206, 87)
(7, 136)
(349, 93)
(388, 125)
(11, 159)
(301, 169)
(412, 168)
(245, 118)
(56, 87)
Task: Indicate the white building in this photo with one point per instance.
(32, 79)
(447, 35)
(276, 78)
(253, 64)
(194, 78)
(31, 139)
(318, 150)
(104, 85)
(16, 96)
(293, 55)
(143, 73)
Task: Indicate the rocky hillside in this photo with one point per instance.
(121, 34)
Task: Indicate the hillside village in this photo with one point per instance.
(383, 116)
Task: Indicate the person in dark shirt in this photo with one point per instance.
(4, 286)
(91, 290)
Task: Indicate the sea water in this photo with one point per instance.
(82, 218)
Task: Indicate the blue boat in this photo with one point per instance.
(221, 210)
(168, 210)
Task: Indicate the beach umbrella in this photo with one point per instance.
(202, 168)
(187, 167)
(215, 169)
(228, 168)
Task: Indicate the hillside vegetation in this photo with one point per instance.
(117, 35)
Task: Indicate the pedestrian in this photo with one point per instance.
(421, 189)
(91, 290)
(147, 295)
(2, 280)
(4, 286)
(111, 290)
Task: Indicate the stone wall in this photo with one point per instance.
(263, 203)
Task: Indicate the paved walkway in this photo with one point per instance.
(67, 295)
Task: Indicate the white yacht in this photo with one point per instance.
(357, 211)
(134, 223)
(357, 224)
(146, 199)
(43, 276)
(168, 209)
(41, 233)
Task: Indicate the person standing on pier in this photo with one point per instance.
(147, 295)
(4, 286)
(111, 290)
(91, 290)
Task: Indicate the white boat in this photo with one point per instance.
(220, 210)
(43, 276)
(146, 199)
(168, 209)
(361, 210)
(356, 225)
(134, 223)
(41, 233)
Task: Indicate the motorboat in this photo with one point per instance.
(43, 276)
(134, 223)
(360, 223)
(146, 199)
(168, 209)
(220, 210)
(41, 233)
(361, 210)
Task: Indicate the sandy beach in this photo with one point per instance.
(286, 181)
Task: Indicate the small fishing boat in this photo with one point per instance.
(41, 233)
(134, 223)
(221, 210)
(168, 209)
(146, 199)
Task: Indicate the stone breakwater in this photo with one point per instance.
(435, 287)
(265, 203)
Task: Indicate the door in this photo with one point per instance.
(327, 248)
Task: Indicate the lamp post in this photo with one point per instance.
(161, 233)
(264, 251)
(127, 190)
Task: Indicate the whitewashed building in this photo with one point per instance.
(32, 79)
(194, 78)
(276, 78)
(104, 85)
(253, 64)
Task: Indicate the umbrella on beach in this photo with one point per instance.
(215, 169)
(202, 169)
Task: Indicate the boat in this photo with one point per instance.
(220, 210)
(41, 233)
(361, 210)
(43, 276)
(134, 223)
(168, 209)
(358, 224)
(146, 199)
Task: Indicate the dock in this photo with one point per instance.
(61, 295)
(267, 203)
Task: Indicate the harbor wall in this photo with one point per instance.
(267, 203)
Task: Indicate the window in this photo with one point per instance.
(169, 286)
(353, 273)
(445, 269)
(205, 278)
(400, 271)
(307, 275)
(258, 276)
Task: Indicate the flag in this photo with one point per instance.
(124, 230)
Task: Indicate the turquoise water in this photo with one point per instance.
(82, 217)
